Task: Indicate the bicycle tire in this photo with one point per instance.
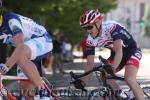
(6, 98)
(146, 91)
(48, 83)
(66, 94)
(3, 98)
(96, 95)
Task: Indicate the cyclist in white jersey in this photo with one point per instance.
(31, 41)
(124, 49)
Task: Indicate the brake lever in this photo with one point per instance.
(73, 79)
(103, 60)
(73, 76)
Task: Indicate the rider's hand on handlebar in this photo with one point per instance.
(3, 68)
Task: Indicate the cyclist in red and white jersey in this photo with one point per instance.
(124, 49)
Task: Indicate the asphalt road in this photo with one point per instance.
(61, 81)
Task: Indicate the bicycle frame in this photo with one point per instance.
(9, 96)
(7, 93)
(103, 77)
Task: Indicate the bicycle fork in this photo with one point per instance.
(4, 92)
(51, 93)
(110, 93)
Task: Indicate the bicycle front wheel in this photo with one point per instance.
(98, 94)
(146, 91)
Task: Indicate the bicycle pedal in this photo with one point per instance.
(121, 95)
(132, 99)
(37, 97)
(43, 93)
(103, 91)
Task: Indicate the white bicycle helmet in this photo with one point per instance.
(89, 17)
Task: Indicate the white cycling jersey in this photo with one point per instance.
(111, 31)
(28, 26)
(35, 35)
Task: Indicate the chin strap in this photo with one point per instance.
(1, 12)
(98, 30)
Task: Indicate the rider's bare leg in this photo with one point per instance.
(21, 56)
(113, 84)
(28, 89)
(130, 77)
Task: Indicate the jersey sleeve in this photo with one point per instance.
(15, 26)
(90, 48)
(115, 32)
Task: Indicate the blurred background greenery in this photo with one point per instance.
(62, 15)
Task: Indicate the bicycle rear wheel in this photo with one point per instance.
(66, 94)
(98, 94)
(146, 91)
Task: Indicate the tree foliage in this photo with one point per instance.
(147, 22)
(59, 14)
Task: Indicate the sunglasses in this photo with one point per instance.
(88, 27)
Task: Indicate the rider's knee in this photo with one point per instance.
(21, 62)
(22, 53)
(22, 50)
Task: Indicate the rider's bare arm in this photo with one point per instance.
(89, 65)
(18, 39)
(118, 52)
(90, 62)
